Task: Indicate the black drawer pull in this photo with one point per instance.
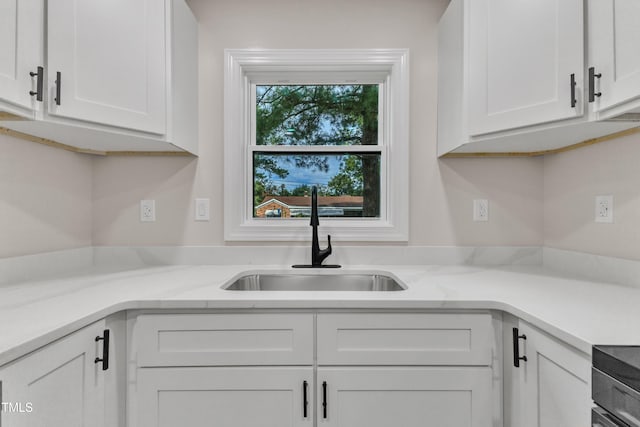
(573, 91)
(105, 350)
(58, 98)
(516, 348)
(305, 400)
(39, 81)
(324, 400)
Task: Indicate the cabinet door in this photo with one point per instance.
(21, 40)
(58, 385)
(554, 382)
(407, 397)
(111, 59)
(224, 397)
(614, 31)
(521, 58)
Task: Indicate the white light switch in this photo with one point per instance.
(202, 210)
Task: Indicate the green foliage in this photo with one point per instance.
(313, 115)
(349, 179)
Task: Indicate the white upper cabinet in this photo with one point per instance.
(21, 51)
(117, 75)
(525, 62)
(111, 60)
(512, 74)
(614, 32)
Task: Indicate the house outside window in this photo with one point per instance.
(298, 207)
(333, 119)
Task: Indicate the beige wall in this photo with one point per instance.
(571, 182)
(441, 192)
(47, 195)
(45, 198)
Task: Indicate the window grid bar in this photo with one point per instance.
(318, 149)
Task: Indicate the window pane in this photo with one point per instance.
(317, 115)
(348, 184)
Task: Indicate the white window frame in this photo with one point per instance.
(244, 68)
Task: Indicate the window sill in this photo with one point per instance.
(299, 230)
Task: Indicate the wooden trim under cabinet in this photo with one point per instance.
(4, 116)
(586, 143)
(55, 144)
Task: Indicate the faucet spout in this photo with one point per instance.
(317, 255)
(315, 222)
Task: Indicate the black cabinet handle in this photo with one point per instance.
(105, 350)
(516, 348)
(324, 400)
(592, 84)
(58, 99)
(39, 82)
(305, 400)
(573, 91)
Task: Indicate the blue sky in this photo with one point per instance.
(308, 176)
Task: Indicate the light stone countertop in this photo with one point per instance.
(578, 312)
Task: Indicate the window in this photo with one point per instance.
(334, 119)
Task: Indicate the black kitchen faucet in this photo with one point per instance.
(317, 255)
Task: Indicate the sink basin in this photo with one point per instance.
(316, 282)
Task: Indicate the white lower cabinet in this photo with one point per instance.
(405, 396)
(552, 387)
(227, 369)
(311, 369)
(59, 384)
(225, 397)
(405, 369)
(275, 397)
(307, 369)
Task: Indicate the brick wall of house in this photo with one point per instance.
(260, 213)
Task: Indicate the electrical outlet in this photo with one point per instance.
(202, 210)
(147, 210)
(604, 209)
(481, 210)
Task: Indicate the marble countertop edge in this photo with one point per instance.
(561, 306)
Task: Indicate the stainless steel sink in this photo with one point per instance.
(316, 282)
